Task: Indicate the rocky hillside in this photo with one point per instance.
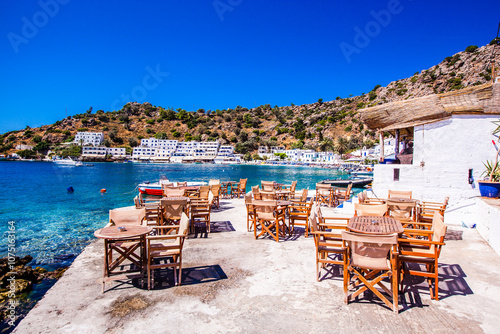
(324, 125)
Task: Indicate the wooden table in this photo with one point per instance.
(375, 225)
(124, 240)
(225, 185)
(282, 194)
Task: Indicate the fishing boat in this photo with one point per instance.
(155, 188)
(357, 182)
(68, 162)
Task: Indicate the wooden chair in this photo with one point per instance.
(424, 252)
(300, 211)
(126, 217)
(325, 194)
(250, 212)
(165, 251)
(267, 185)
(203, 193)
(173, 192)
(182, 184)
(215, 189)
(370, 209)
(399, 194)
(362, 197)
(153, 215)
(402, 211)
(426, 209)
(328, 242)
(267, 195)
(241, 189)
(256, 193)
(270, 218)
(291, 187)
(368, 266)
(301, 198)
(212, 182)
(200, 212)
(343, 195)
(171, 213)
(224, 190)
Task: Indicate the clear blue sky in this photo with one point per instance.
(72, 54)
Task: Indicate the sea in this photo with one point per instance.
(53, 225)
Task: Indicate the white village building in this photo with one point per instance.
(447, 138)
(89, 138)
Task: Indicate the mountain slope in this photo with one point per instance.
(319, 125)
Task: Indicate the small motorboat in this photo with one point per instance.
(357, 182)
(68, 162)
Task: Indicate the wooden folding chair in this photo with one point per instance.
(399, 194)
(370, 209)
(270, 218)
(171, 213)
(426, 209)
(298, 214)
(267, 185)
(240, 190)
(371, 259)
(200, 212)
(343, 195)
(215, 189)
(325, 194)
(330, 249)
(165, 251)
(250, 212)
(424, 252)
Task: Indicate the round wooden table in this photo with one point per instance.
(123, 240)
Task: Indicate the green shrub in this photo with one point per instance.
(176, 134)
(471, 48)
(150, 121)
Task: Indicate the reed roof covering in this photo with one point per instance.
(482, 99)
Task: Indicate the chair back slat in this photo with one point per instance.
(370, 209)
(370, 251)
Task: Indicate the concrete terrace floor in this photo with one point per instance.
(233, 283)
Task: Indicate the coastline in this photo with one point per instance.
(233, 283)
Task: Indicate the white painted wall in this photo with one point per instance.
(487, 221)
(448, 150)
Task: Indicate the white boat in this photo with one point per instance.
(157, 190)
(227, 160)
(68, 162)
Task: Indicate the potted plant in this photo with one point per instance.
(490, 186)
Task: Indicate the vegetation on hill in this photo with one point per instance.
(323, 125)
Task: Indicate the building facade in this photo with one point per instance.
(89, 138)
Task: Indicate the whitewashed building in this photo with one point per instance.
(102, 151)
(89, 138)
(452, 137)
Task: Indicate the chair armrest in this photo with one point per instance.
(165, 237)
(417, 232)
(419, 242)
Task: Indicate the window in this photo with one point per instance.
(396, 174)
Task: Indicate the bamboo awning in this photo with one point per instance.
(481, 99)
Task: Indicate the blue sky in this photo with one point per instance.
(59, 55)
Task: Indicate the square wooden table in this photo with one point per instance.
(375, 225)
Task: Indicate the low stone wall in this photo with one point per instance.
(488, 221)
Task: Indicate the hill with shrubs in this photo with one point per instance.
(323, 125)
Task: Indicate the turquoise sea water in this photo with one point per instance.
(54, 226)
